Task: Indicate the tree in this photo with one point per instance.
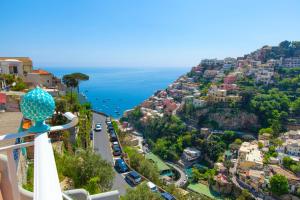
(271, 108)
(279, 185)
(245, 195)
(238, 141)
(20, 85)
(80, 77)
(141, 192)
(287, 162)
(214, 147)
(196, 175)
(87, 170)
(60, 109)
(71, 83)
(285, 44)
(265, 130)
(228, 136)
(296, 106)
(144, 166)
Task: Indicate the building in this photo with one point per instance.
(291, 62)
(290, 144)
(274, 63)
(11, 66)
(250, 157)
(191, 154)
(210, 73)
(211, 62)
(40, 77)
(230, 79)
(294, 181)
(26, 61)
(253, 178)
(229, 87)
(10, 100)
(216, 94)
(264, 75)
(199, 103)
(230, 60)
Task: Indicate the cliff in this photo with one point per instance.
(222, 118)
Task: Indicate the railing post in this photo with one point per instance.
(46, 182)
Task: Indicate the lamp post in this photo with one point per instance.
(38, 105)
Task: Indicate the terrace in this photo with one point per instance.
(38, 105)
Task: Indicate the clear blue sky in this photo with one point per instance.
(142, 32)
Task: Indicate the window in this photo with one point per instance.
(13, 69)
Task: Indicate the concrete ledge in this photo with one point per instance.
(111, 195)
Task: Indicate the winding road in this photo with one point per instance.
(183, 177)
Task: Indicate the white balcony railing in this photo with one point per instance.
(46, 182)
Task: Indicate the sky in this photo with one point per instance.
(142, 33)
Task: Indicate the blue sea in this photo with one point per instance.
(115, 89)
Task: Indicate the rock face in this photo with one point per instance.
(234, 120)
(223, 118)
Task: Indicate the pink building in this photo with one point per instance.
(229, 87)
(230, 79)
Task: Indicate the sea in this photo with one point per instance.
(113, 90)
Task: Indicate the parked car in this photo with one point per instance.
(121, 166)
(167, 196)
(114, 143)
(113, 137)
(108, 120)
(133, 178)
(152, 187)
(112, 131)
(116, 150)
(110, 128)
(98, 127)
(91, 135)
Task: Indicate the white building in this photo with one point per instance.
(291, 144)
(291, 62)
(264, 74)
(212, 62)
(191, 154)
(198, 103)
(250, 157)
(11, 66)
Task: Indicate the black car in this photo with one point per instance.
(110, 128)
(113, 137)
(116, 150)
(167, 196)
(112, 132)
(133, 178)
(91, 135)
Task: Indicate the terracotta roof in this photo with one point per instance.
(40, 71)
(281, 171)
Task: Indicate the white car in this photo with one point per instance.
(98, 127)
(152, 187)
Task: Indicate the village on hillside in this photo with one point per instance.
(214, 102)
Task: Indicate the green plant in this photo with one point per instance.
(279, 185)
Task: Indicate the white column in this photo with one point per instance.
(46, 182)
